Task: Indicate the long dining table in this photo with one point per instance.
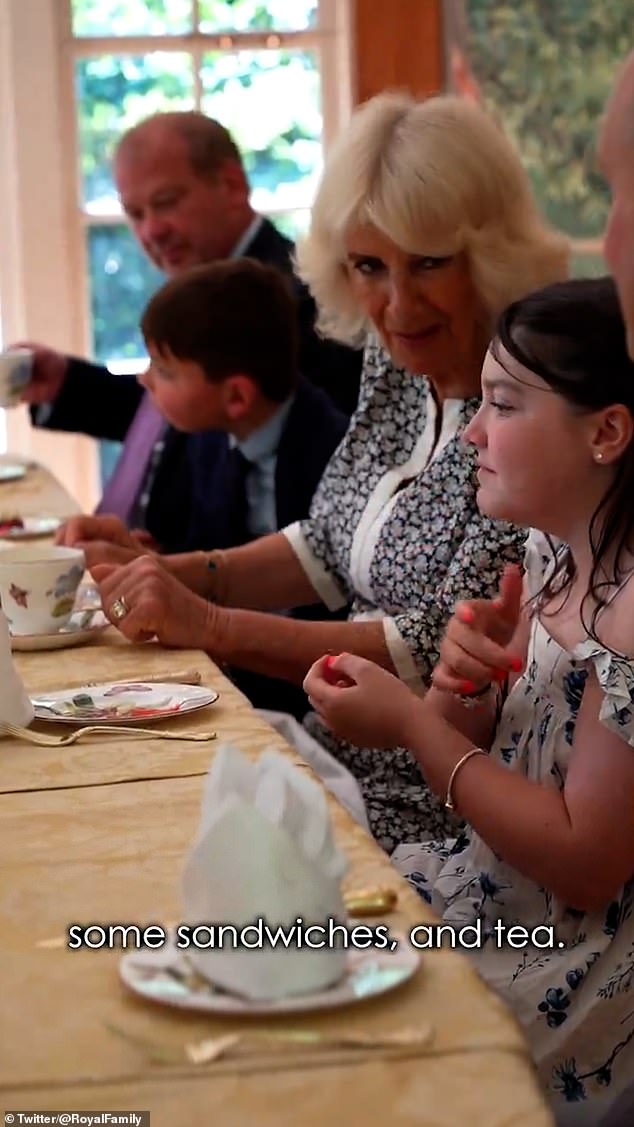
(98, 832)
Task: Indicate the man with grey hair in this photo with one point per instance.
(183, 188)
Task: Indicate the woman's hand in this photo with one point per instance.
(103, 540)
(362, 702)
(144, 601)
(474, 650)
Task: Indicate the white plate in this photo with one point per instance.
(120, 702)
(11, 472)
(164, 975)
(81, 628)
(32, 528)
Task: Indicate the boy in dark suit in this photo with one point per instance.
(222, 341)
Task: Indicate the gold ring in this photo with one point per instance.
(119, 608)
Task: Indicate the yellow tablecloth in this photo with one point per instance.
(112, 759)
(37, 494)
(97, 833)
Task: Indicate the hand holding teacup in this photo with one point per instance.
(104, 539)
(16, 369)
(31, 373)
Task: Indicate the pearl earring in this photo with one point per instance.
(598, 457)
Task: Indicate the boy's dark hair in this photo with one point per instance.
(232, 316)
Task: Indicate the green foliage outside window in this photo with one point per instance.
(545, 67)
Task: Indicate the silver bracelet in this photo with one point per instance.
(449, 803)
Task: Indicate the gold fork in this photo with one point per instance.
(41, 740)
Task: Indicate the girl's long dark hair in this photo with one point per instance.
(572, 335)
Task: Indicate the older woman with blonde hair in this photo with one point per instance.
(423, 229)
(436, 178)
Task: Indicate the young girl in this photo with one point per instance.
(544, 777)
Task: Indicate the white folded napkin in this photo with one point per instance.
(335, 777)
(265, 855)
(15, 705)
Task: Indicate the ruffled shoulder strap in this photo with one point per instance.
(615, 675)
(539, 561)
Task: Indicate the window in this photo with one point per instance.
(545, 70)
(73, 75)
(258, 68)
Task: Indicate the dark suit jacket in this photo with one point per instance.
(93, 401)
(313, 429)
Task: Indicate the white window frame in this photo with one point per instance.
(43, 218)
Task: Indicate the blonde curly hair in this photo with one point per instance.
(437, 177)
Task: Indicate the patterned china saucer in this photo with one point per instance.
(82, 627)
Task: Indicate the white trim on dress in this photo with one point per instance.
(401, 655)
(323, 582)
(385, 492)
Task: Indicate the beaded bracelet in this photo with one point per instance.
(213, 562)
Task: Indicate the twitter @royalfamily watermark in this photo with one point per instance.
(84, 1118)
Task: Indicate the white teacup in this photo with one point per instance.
(16, 367)
(38, 586)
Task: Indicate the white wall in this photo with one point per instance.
(40, 279)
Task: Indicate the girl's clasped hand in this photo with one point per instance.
(481, 646)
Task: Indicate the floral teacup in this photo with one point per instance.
(38, 586)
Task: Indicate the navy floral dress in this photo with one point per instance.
(575, 997)
(395, 530)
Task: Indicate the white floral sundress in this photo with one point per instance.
(576, 1001)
